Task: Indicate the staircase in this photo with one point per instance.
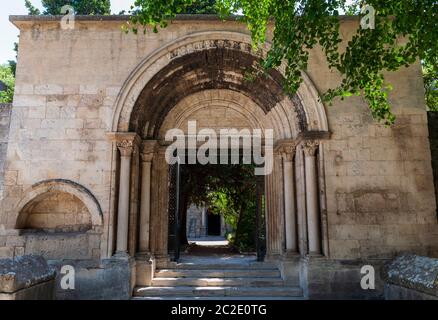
(222, 280)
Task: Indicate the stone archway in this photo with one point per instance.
(181, 52)
(39, 191)
(208, 70)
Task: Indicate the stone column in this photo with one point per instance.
(290, 213)
(145, 262)
(147, 155)
(126, 148)
(313, 219)
(274, 210)
(204, 222)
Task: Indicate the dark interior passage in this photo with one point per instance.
(214, 224)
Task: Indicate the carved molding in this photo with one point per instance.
(286, 148)
(310, 148)
(148, 150)
(126, 147)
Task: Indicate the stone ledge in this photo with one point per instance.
(24, 272)
(413, 272)
(179, 17)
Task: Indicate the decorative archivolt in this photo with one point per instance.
(312, 116)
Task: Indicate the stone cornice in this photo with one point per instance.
(22, 20)
(314, 135)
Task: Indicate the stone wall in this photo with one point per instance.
(341, 279)
(379, 181)
(433, 137)
(50, 245)
(59, 212)
(194, 226)
(5, 117)
(107, 279)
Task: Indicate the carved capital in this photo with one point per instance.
(310, 148)
(287, 149)
(146, 157)
(148, 150)
(126, 147)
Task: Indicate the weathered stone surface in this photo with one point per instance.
(24, 272)
(341, 279)
(5, 117)
(375, 183)
(394, 292)
(413, 272)
(97, 279)
(61, 245)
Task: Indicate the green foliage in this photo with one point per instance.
(405, 32)
(239, 216)
(430, 71)
(202, 7)
(157, 13)
(7, 77)
(82, 7)
(229, 190)
(13, 63)
(32, 10)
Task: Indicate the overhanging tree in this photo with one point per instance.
(82, 7)
(405, 32)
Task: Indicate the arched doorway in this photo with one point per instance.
(203, 77)
(213, 224)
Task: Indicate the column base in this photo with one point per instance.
(315, 256)
(162, 260)
(291, 255)
(273, 257)
(145, 269)
(123, 255)
(144, 256)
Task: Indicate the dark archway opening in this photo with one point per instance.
(225, 65)
(213, 224)
(229, 195)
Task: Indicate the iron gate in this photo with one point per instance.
(174, 238)
(260, 219)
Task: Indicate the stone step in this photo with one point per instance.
(181, 273)
(180, 292)
(225, 266)
(218, 282)
(220, 298)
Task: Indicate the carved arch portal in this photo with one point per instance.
(200, 71)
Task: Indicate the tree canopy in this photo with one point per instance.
(84, 7)
(405, 32)
(8, 79)
(228, 190)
